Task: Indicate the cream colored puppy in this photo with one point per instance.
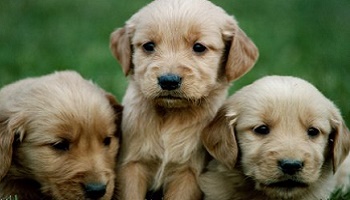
(278, 138)
(58, 139)
(181, 57)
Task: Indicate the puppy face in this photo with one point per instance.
(287, 134)
(179, 51)
(65, 138)
(284, 145)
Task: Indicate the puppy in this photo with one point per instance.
(278, 138)
(58, 139)
(180, 56)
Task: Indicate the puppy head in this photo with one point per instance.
(287, 132)
(178, 51)
(63, 136)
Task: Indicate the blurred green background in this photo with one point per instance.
(305, 38)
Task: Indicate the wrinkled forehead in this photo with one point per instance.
(72, 125)
(289, 110)
(174, 33)
(162, 20)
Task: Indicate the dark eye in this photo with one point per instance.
(199, 48)
(61, 145)
(107, 141)
(313, 132)
(149, 47)
(263, 130)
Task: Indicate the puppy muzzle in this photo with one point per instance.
(94, 190)
(169, 81)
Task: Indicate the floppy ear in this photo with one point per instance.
(242, 53)
(118, 110)
(219, 138)
(120, 46)
(341, 144)
(10, 129)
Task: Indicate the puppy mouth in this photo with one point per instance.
(170, 97)
(288, 184)
(173, 101)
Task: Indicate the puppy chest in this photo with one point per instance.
(172, 146)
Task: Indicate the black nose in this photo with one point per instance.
(290, 166)
(169, 81)
(94, 190)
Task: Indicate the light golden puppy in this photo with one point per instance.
(278, 138)
(58, 139)
(180, 56)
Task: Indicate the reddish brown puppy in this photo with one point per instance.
(58, 139)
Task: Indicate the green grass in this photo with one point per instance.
(309, 39)
(339, 195)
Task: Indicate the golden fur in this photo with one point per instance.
(58, 138)
(303, 126)
(161, 128)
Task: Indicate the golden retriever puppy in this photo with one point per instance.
(58, 139)
(181, 57)
(278, 138)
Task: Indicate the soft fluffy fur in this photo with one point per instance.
(161, 128)
(247, 160)
(58, 138)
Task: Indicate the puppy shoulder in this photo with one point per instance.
(218, 182)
